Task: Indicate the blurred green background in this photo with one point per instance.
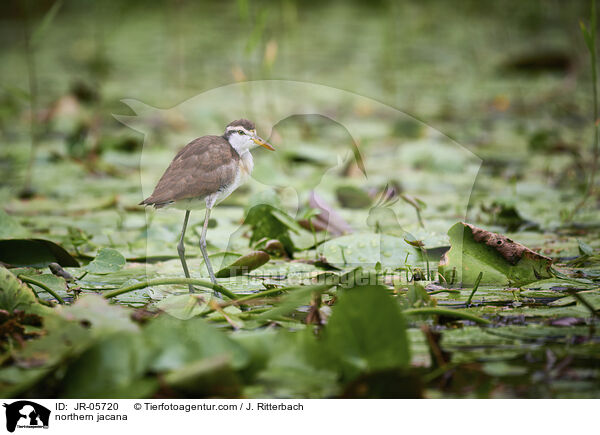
(509, 80)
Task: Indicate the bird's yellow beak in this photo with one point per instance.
(263, 143)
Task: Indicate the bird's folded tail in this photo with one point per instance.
(156, 204)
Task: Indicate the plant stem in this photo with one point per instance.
(255, 296)
(268, 292)
(243, 299)
(33, 99)
(596, 150)
(34, 281)
(477, 281)
(444, 290)
(590, 188)
(446, 312)
(166, 281)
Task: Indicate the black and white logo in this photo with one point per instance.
(25, 414)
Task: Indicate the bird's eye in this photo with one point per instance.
(241, 132)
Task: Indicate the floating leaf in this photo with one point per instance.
(502, 261)
(100, 314)
(34, 253)
(55, 283)
(18, 326)
(385, 384)
(183, 306)
(293, 299)
(353, 197)
(289, 365)
(369, 248)
(209, 377)
(108, 260)
(14, 380)
(15, 295)
(175, 343)
(9, 227)
(62, 340)
(367, 332)
(504, 212)
(585, 249)
(113, 367)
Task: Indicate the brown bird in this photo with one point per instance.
(205, 172)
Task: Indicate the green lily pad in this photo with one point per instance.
(361, 249)
(293, 299)
(14, 295)
(502, 261)
(9, 227)
(295, 366)
(176, 343)
(353, 197)
(183, 306)
(63, 339)
(55, 283)
(367, 332)
(100, 313)
(108, 260)
(585, 249)
(14, 380)
(209, 377)
(114, 367)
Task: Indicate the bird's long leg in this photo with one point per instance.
(181, 249)
(203, 247)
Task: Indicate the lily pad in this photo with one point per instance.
(209, 377)
(183, 306)
(55, 283)
(295, 366)
(10, 227)
(176, 343)
(113, 368)
(108, 260)
(15, 295)
(361, 249)
(293, 299)
(367, 332)
(502, 261)
(100, 314)
(353, 197)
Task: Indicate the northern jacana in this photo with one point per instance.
(205, 172)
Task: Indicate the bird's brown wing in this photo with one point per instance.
(204, 166)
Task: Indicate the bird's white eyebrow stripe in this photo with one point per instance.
(238, 127)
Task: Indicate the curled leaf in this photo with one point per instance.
(244, 264)
(501, 260)
(34, 253)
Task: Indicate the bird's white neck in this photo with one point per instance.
(246, 162)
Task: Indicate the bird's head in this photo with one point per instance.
(241, 134)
